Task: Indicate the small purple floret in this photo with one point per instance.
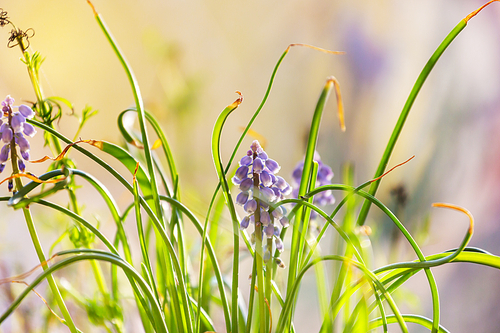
(244, 223)
(246, 184)
(269, 230)
(4, 153)
(272, 165)
(29, 130)
(242, 198)
(258, 165)
(26, 111)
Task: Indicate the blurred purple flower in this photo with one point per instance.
(324, 177)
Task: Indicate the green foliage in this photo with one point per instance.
(354, 296)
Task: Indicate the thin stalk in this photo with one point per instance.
(404, 114)
(38, 247)
(258, 255)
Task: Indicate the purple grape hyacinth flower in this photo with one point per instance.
(14, 127)
(324, 177)
(257, 167)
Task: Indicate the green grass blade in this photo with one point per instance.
(216, 138)
(405, 112)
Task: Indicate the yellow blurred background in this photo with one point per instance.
(191, 56)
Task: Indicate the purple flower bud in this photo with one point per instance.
(284, 221)
(268, 194)
(29, 130)
(23, 143)
(242, 198)
(246, 160)
(263, 155)
(280, 182)
(236, 181)
(269, 230)
(279, 244)
(2, 167)
(277, 192)
(244, 223)
(8, 101)
(278, 212)
(272, 165)
(250, 206)
(258, 165)
(273, 178)
(242, 172)
(287, 190)
(276, 231)
(6, 133)
(265, 178)
(11, 185)
(255, 147)
(246, 184)
(265, 219)
(21, 165)
(17, 122)
(25, 155)
(4, 153)
(26, 111)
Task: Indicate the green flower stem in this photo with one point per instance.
(404, 115)
(269, 275)
(258, 255)
(57, 149)
(216, 156)
(38, 247)
(260, 271)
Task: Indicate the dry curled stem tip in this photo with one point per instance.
(237, 102)
(314, 48)
(93, 8)
(394, 167)
(25, 275)
(460, 209)
(474, 13)
(340, 105)
(94, 143)
(33, 178)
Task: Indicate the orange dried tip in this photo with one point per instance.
(460, 209)
(95, 143)
(25, 275)
(394, 167)
(314, 48)
(237, 102)
(474, 13)
(257, 136)
(269, 309)
(33, 178)
(340, 105)
(93, 8)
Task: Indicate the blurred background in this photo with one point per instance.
(191, 56)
